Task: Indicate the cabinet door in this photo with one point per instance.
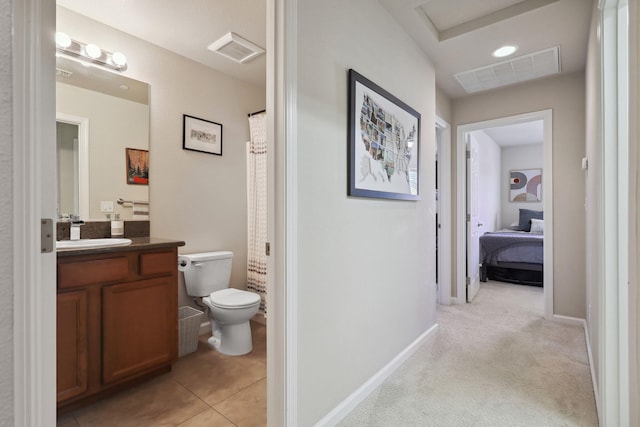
(71, 348)
(139, 327)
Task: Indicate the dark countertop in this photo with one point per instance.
(137, 243)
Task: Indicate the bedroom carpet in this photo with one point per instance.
(494, 362)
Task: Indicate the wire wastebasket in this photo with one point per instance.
(189, 320)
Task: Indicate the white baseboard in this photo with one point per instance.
(594, 380)
(355, 398)
(567, 320)
(454, 300)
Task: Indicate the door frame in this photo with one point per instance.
(83, 159)
(34, 285)
(547, 182)
(613, 322)
(444, 210)
(34, 197)
(472, 275)
(282, 318)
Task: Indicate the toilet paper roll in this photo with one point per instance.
(184, 263)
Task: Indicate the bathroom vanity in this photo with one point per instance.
(117, 318)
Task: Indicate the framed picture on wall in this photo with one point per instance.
(137, 166)
(384, 143)
(201, 135)
(525, 185)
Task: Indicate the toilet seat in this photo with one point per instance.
(233, 298)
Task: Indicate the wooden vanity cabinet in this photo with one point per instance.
(71, 344)
(137, 319)
(117, 321)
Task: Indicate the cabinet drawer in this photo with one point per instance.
(158, 263)
(89, 272)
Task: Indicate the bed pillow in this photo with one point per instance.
(537, 226)
(526, 215)
(514, 226)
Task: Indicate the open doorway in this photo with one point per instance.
(465, 275)
(504, 170)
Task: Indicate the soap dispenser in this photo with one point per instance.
(117, 227)
(74, 231)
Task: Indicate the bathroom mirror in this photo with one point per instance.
(103, 142)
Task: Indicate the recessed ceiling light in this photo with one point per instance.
(504, 51)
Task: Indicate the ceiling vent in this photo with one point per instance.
(236, 48)
(63, 73)
(516, 70)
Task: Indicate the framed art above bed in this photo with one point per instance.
(525, 185)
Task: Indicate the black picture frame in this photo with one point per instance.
(201, 135)
(384, 143)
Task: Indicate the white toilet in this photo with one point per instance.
(207, 275)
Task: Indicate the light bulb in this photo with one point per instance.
(63, 40)
(119, 59)
(93, 50)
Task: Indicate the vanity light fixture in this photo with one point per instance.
(89, 53)
(62, 40)
(504, 51)
(93, 50)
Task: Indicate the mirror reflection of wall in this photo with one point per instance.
(116, 112)
(67, 167)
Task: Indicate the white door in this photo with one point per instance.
(34, 198)
(438, 212)
(473, 234)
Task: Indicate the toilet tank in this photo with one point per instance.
(206, 272)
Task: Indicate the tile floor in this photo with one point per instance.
(204, 388)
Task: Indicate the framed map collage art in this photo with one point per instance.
(384, 143)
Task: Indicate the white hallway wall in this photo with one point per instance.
(195, 197)
(366, 267)
(565, 95)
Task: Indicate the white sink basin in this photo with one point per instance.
(91, 243)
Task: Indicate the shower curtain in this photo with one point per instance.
(257, 208)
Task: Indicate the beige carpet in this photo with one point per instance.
(494, 362)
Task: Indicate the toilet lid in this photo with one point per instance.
(233, 298)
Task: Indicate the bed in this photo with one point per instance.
(514, 256)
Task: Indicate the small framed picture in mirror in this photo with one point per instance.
(137, 166)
